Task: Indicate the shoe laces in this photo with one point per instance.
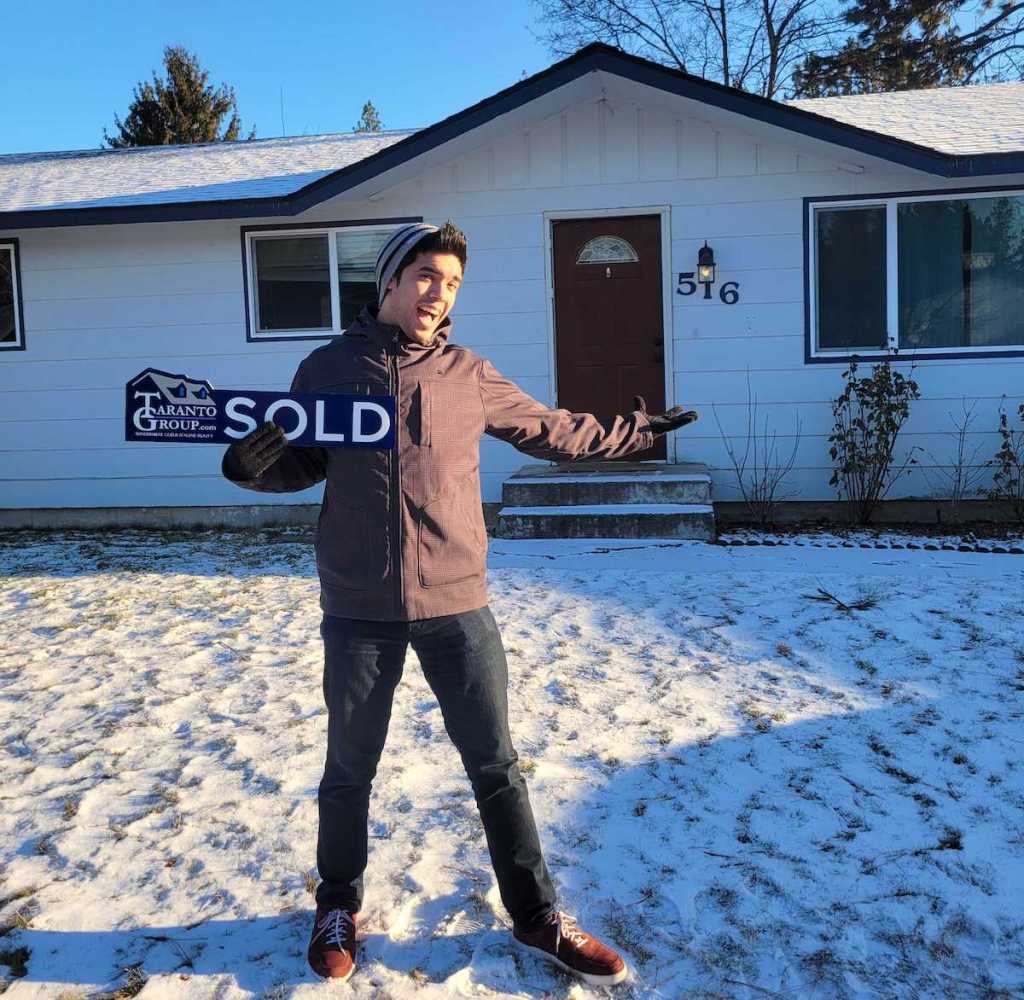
(335, 923)
(567, 928)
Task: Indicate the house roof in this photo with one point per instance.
(958, 121)
(180, 175)
(285, 177)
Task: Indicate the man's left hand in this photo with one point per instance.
(660, 423)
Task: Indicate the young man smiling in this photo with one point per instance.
(401, 552)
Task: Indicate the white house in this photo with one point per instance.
(837, 226)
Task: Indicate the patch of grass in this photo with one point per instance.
(897, 772)
(70, 808)
(822, 966)
(309, 881)
(16, 959)
(21, 921)
(134, 983)
(628, 931)
(723, 897)
(28, 890)
(951, 840)
(877, 746)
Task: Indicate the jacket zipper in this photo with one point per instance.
(396, 499)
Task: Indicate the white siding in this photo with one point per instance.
(102, 303)
(744, 196)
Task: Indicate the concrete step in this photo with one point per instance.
(627, 520)
(607, 483)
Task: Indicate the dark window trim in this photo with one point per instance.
(250, 337)
(866, 354)
(19, 309)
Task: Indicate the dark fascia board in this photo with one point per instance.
(592, 58)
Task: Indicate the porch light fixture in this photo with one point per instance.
(706, 265)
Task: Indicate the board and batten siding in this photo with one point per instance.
(103, 302)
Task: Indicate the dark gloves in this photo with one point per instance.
(669, 421)
(249, 458)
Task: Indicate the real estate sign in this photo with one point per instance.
(160, 406)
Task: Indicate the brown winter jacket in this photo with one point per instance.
(401, 533)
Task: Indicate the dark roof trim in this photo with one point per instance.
(589, 59)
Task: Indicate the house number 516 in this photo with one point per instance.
(729, 293)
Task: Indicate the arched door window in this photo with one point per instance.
(607, 250)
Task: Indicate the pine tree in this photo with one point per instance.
(370, 122)
(915, 44)
(182, 109)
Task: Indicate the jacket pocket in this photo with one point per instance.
(451, 413)
(419, 422)
(342, 553)
(451, 539)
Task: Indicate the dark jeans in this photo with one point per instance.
(464, 663)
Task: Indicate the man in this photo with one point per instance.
(401, 552)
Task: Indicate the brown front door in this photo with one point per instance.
(609, 338)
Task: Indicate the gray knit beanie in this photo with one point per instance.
(399, 243)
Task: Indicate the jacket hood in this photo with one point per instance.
(383, 334)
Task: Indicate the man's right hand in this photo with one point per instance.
(661, 423)
(249, 458)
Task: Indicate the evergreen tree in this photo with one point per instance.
(182, 109)
(370, 122)
(916, 44)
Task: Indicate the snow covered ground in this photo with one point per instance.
(751, 791)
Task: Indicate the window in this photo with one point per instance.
(293, 283)
(961, 267)
(851, 277)
(291, 293)
(939, 274)
(11, 333)
(607, 250)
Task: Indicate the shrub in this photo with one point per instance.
(868, 416)
(761, 468)
(960, 476)
(1008, 479)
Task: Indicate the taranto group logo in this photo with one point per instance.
(160, 406)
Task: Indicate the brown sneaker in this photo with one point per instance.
(560, 940)
(332, 947)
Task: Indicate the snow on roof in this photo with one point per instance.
(212, 171)
(953, 121)
(981, 118)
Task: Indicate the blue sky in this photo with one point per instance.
(68, 67)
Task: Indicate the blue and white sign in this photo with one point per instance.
(160, 406)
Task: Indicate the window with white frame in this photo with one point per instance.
(11, 334)
(291, 289)
(938, 273)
